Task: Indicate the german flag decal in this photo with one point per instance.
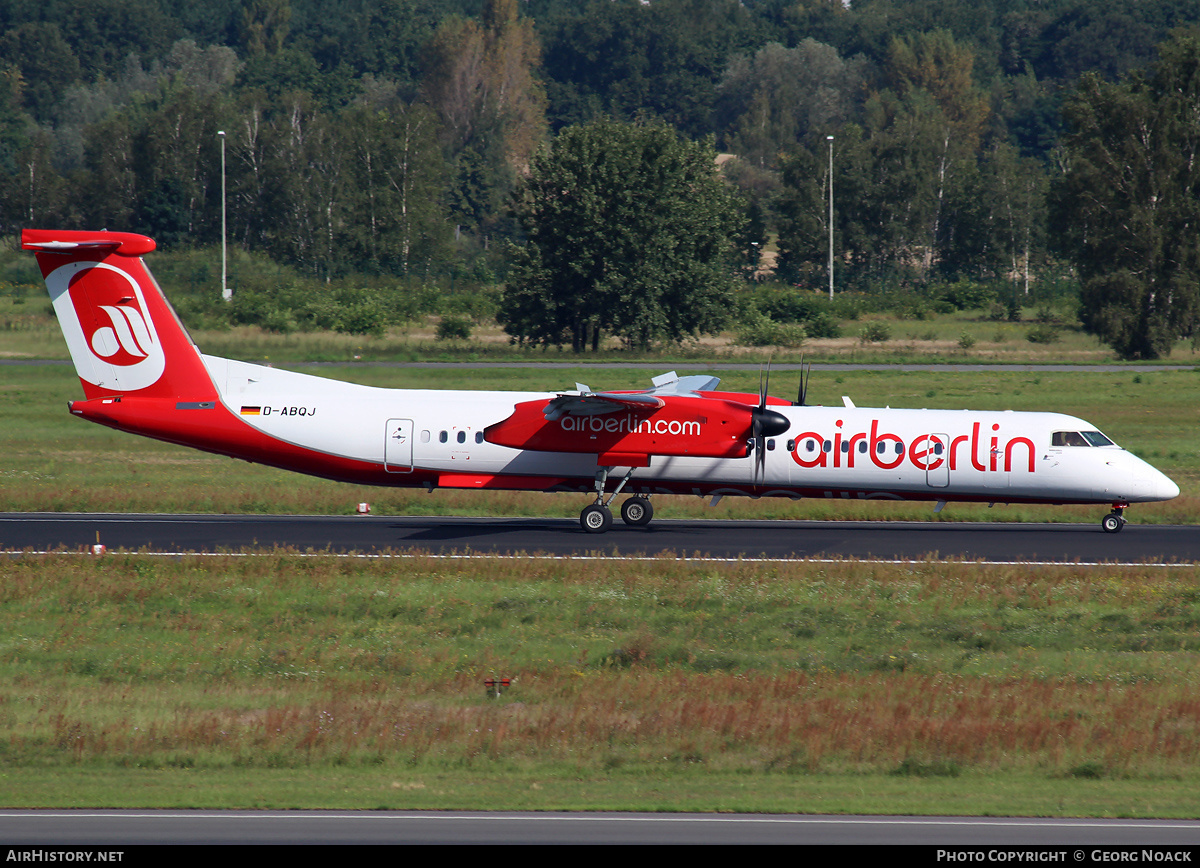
(252, 411)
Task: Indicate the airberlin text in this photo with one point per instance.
(925, 451)
(629, 424)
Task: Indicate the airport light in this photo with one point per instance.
(830, 138)
(225, 291)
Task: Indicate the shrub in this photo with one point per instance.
(875, 333)
(786, 305)
(454, 328)
(362, 318)
(966, 340)
(823, 325)
(966, 294)
(1005, 311)
(761, 331)
(1042, 334)
(278, 321)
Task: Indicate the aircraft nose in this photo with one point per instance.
(1167, 489)
(1154, 482)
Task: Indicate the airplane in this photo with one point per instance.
(141, 373)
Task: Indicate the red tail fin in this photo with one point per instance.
(123, 335)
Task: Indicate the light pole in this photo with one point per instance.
(830, 138)
(225, 292)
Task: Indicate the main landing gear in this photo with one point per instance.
(598, 518)
(1115, 520)
(635, 512)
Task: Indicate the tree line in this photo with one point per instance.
(418, 137)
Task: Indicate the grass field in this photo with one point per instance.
(289, 681)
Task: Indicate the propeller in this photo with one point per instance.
(764, 423)
(805, 376)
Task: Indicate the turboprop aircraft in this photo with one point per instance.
(142, 373)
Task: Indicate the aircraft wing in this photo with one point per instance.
(585, 402)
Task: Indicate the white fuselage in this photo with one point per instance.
(419, 435)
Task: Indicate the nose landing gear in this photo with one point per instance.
(1115, 520)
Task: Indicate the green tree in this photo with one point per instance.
(625, 57)
(629, 230)
(480, 80)
(907, 182)
(397, 213)
(772, 99)
(48, 65)
(1127, 209)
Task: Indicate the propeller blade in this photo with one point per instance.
(805, 376)
(764, 423)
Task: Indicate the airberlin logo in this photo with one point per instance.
(629, 424)
(126, 340)
(102, 311)
(925, 451)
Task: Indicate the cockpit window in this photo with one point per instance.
(1079, 438)
(1067, 438)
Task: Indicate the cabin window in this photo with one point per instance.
(462, 436)
(791, 446)
(937, 448)
(478, 436)
(770, 445)
(826, 446)
(811, 446)
(862, 446)
(425, 436)
(443, 437)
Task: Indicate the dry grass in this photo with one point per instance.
(282, 661)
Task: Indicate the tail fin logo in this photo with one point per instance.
(104, 318)
(127, 333)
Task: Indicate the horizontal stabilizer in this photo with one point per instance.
(72, 240)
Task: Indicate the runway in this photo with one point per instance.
(685, 538)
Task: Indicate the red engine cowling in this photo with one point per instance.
(695, 426)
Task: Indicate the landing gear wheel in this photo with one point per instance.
(596, 518)
(637, 511)
(1113, 522)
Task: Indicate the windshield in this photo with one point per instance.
(1079, 438)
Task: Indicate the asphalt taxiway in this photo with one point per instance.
(685, 538)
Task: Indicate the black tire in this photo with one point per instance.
(637, 511)
(595, 518)
(1112, 523)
